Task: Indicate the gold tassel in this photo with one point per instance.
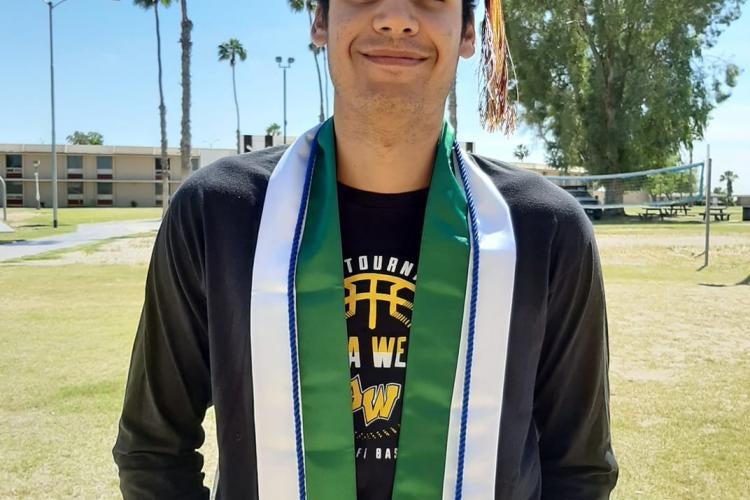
(495, 109)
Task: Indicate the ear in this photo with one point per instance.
(468, 40)
(319, 29)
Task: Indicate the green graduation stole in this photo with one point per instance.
(301, 375)
(433, 340)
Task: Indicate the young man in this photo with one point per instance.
(372, 312)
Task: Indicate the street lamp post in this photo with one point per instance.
(284, 67)
(36, 185)
(51, 6)
(52, 95)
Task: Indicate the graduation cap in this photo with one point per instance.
(495, 109)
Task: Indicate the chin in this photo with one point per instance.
(390, 94)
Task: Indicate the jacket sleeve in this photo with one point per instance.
(571, 407)
(168, 386)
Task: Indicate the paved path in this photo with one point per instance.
(84, 234)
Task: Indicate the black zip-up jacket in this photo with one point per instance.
(192, 346)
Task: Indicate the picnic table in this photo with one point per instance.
(675, 208)
(650, 212)
(718, 211)
(665, 210)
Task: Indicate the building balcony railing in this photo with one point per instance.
(13, 173)
(104, 200)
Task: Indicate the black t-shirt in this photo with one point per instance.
(380, 236)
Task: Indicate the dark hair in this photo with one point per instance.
(467, 13)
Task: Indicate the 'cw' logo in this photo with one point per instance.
(376, 402)
(353, 296)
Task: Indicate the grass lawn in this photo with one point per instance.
(679, 349)
(30, 223)
(679, 373)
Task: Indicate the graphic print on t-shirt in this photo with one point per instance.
(380, 242)
(379, 296)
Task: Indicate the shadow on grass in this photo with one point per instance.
(31, 241)
(745, 282)
(635, 220)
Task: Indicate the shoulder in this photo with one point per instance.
(231, 180)
(243, 176)
(535, 203)
(225, 195)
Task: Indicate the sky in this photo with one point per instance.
(106, 79)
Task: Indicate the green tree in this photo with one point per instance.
(309, 6)
(729, 177)
(186, 27)
(85, 138)
(670, 184)
(231, 51)
(273, 129)
(618, 85)
(149, 4)
(521, 152)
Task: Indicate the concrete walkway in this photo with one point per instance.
(84, 234)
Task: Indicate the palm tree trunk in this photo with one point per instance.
(162, 117)
(452, 108)
(187, 44)
(325, 68)
(317, 68)
(237, 109)
(320, 87)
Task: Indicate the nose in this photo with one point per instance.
(395, 18)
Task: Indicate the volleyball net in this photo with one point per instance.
(679, 185)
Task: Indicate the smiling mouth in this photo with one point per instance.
(394, 60)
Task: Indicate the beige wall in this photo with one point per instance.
(125, 167)
(142, 194)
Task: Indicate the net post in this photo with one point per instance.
(708, 205)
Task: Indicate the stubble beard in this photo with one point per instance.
(390, 117)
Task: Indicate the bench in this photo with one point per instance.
(718, 216)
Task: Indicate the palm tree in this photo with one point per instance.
(186, 26)
(452, 108)
(309, 6)
(273, 129)
(325, 73)
(521, 152)
(729, 177)
(147, 4)
(231, 51)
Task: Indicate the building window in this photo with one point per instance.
(75, 162)
(75, 188)
(13, 166)
(15, 193)
(157, 164)
(13, 161)
(103, 167)
(75, 193)
(75, 167)
(104, 188)
(14, 188)
(195, 163)
(103, 163)
(157, 167)
(158, 189)
(104, 194)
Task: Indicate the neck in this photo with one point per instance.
(391, 155)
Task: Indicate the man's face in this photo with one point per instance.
(397, 54)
